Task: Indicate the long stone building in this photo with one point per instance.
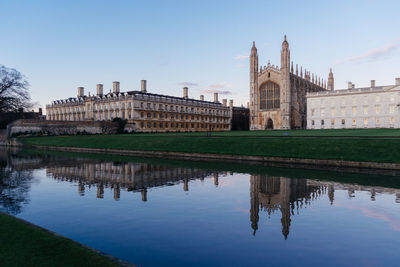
(278, 94)
(368, 107)
(145, 112)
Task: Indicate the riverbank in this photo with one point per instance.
(347, 151)
(24, 244)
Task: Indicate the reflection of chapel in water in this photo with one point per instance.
(272, 194)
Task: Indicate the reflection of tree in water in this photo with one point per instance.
(14, 188)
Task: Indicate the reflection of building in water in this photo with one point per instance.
(275, 193)
(272, 194)
(131, 176)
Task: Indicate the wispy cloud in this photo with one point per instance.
(241, 57)
(188, 84)
(373, 54)
(218, 88)
(220, 85)
(220, 92)
(376, 214)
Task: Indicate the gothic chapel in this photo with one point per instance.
(278, 95)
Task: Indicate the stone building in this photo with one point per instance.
(145, 112)
(240, 119)
(278, 94)
(368, 107)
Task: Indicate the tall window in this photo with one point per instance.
(269, 96)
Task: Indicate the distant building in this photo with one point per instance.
(369, 107)
(240, 119)
(145, 112)
(278, 94)
(8, 117)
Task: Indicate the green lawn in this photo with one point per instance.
(23, 244)
(366, 148)
(384, 132)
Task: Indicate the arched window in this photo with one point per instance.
(269, 96)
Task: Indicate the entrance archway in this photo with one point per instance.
(270, 124)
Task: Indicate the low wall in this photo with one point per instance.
(21, 127)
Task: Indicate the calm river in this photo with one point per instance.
(172, 213)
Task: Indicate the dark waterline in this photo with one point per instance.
(163, 212)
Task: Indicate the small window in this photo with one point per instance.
(322, 122)
(312, 122)
(343, 122)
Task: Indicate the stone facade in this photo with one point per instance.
(370, 107)
(278, 95)
(145, 112)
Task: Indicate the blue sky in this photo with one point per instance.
(60, 45)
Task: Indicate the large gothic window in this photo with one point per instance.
(269, 96)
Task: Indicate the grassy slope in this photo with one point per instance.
(23, 244)
(353, 149)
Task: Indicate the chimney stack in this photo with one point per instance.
(40, 111)
(185, 92)
(224, 102)
(202, 97)
(353, 86)
(216, 97)
(99, 89)
(372, 83)
(116, 87)
(349, 85)
(231, 103)
(81, 91)
(143, 87)
(397, 81)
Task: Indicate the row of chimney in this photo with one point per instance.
(351, 85)
(116, 90)
(224, 101)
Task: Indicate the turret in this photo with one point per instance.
(285, 54)
(331, 81)
(285, 92)
(253, 86)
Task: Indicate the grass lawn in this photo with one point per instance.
(366, 148)
(384, 132)
(23, 244)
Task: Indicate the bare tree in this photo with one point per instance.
(14, 92)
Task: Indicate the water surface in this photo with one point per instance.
(158, 212)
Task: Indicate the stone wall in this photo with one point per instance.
(20, 127)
